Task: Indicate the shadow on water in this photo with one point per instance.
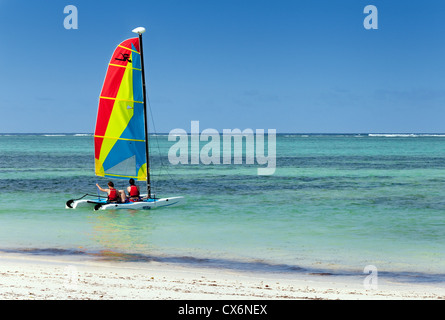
(227, 264)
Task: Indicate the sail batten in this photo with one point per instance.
(121, 99)
(119, 134)
(121, 46)
(119, 66)
(116, 138)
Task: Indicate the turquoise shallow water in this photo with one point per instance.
(335, 204)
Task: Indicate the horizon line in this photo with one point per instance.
(278, 133)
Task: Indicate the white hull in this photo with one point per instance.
(140, 205)
(144, 205)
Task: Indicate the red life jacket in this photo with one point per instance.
(113, 195)
(134, 192)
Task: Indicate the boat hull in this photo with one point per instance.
(140, 205)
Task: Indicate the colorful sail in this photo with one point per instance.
(119, 138)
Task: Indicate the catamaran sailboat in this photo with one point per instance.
(121, 135)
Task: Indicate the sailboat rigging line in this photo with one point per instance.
(157, 143)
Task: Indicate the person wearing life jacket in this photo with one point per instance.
(134, 194)
(114, 195)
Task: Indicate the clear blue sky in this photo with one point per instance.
(290, 65)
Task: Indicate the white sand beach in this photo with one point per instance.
(62, 278)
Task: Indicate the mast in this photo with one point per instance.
(140, 31)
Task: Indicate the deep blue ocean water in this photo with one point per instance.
(335, 204)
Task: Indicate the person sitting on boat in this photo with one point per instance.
(114, 195)
(134, 193)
